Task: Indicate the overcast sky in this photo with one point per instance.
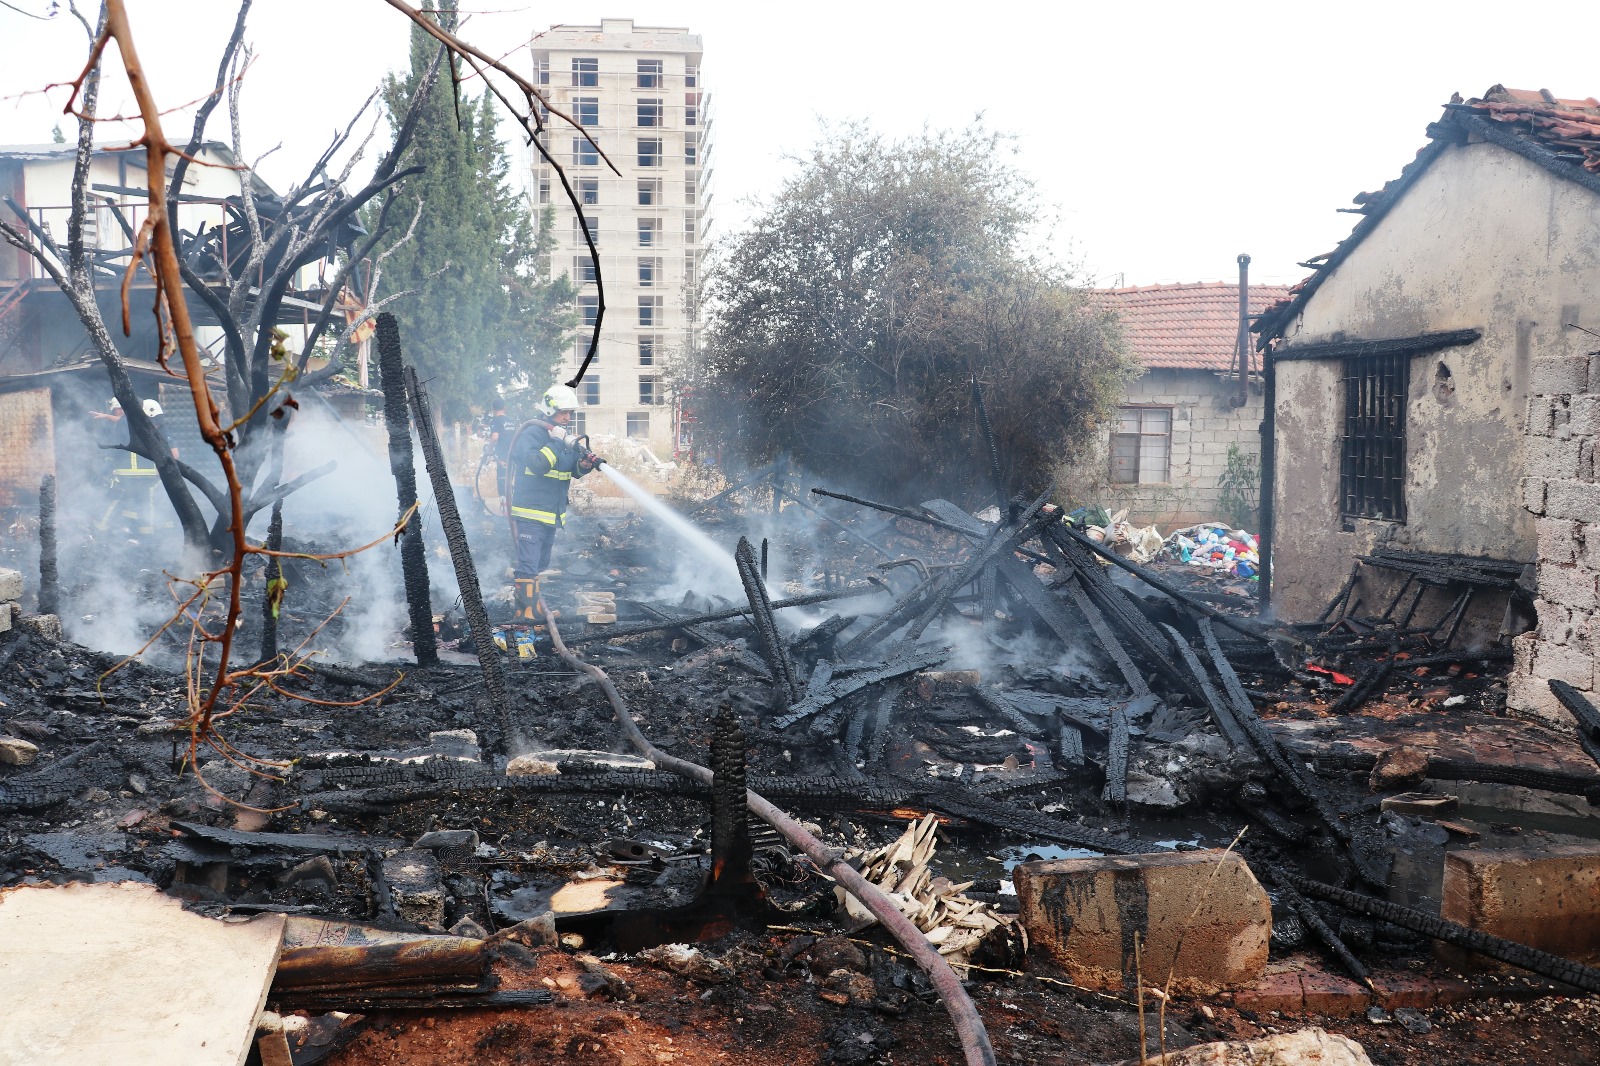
(1164, 138)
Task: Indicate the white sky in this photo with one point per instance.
(1165, 137)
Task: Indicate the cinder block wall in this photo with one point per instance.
(1560, 489)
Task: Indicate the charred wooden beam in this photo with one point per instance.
(1484, 773)
(1024, 821)
(1149, 577)
(1116, 789)
(413, 561)
(49, 575)
(919, 516)
(1137, 685)
(1508, 951)
(455, 538)
(1418, 345)
(1227, 721)
(836, 689)
(1069, 744)
(620, 632)
(1582, 710)
(708, 637)
(1313, 921)
(437, 962)
(773, 648)
(1369, 684)
(995, 700)
(865, 542)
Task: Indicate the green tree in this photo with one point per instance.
(847, 322)
(481, 308)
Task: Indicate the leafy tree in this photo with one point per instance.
(848, 322)
(482, 310)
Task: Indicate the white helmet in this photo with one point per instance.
(559, 398)
(115, 404)
(152, 409)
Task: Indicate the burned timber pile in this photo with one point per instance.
(1037, 693)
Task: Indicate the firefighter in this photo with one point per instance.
(545, 457)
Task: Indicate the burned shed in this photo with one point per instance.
(1430, 422)
(1167, 452)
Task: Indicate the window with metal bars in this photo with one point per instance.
(1372, 468)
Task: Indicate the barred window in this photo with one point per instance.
(1373, 447)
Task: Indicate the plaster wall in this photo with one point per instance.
(1483, 239)
(1204, 424)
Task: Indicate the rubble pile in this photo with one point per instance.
(963, 703)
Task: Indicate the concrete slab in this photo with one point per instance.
(1199, 914)
(119, 973)
(1547, 898)
(10, 584)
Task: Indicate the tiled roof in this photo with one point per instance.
(1563, 136)
(1194, 326)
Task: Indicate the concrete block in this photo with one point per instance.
(416, 886)
(1532, 492)
(1200, 915)
(1570, 586)
(1547, 898)
(1584, 416)
(1529, 695)
(1558, 540)
(44, 626)
(6, 613)
(17, 752)
(1560, 374)
(1552, 457)
(1572, 499)
(1556, 623)
(1564, 662)
(1540, 419)
(10, 584)
(1300, 1048)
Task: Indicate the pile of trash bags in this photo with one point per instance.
(1214, 545)
(1210, 544)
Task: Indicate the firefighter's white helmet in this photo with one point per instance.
(559, 398)
(152, 409)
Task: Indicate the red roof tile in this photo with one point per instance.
(1570, 128)
(1193, 326)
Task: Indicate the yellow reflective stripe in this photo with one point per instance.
(559, 475)
(549, 518)
(548, 454)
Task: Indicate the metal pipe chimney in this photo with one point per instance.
(1242, 350)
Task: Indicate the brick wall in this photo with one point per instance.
(1563, 427)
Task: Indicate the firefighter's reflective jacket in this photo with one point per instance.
(543, 468)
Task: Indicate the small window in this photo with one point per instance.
(649, 273)
(650, 113)
(691, 76)
(691, 191)
(649, 73)
(649, 151)
(543, 70)
(691, 116)
(1372, 468)
(649, 230)
(589, 310)
(544, 190)
(583, 270)
(1141, 447)
(580, 423)
(691, 151)
(649, 192)
(589, 389)
(588, 190)
(638, 424)
(586, 109)
(647, 349)
(649, 391)
(584, 154)
(594, 229)
(586, 73)
(650, 311)
(691, 227)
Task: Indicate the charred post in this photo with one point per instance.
(455, 538)
(413, 562)
(772, 646)
(49, 576)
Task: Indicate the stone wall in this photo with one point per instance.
(1561, 491)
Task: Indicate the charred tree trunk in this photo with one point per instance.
(273, 587)
(49, 578)
(455, 536)
(413, 563)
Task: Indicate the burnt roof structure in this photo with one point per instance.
(1560, 135)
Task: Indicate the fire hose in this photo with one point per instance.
(963, 1012)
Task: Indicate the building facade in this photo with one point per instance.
(1181, 422)
(636, 93)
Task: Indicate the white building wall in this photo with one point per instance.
(679, 213)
